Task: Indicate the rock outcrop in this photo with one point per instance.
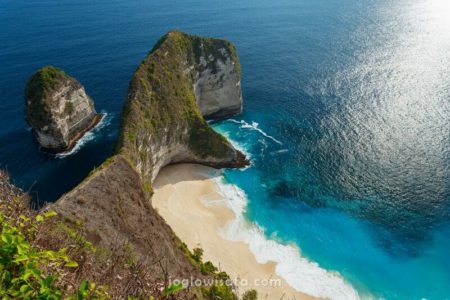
(58, 109)
(217, 78)
(183, 79)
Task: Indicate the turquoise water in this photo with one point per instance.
(352, 99)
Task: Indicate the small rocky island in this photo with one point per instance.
(58, 109)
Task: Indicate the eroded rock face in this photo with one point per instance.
(183, 79)
(58, 109)
(217, 76)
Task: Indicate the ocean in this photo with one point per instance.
(346, 120)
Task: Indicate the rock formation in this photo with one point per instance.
(58, 109)
(217, 78)
(162, 123)
(183, 78)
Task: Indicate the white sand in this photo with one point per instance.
(189, 202)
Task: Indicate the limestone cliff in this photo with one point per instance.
(217, 78)
(162, 123)
(183, 78)
(58, 109)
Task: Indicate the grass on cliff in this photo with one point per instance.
(221, 289)
(29, 271)
(161, 102)
(38, 91)
(46, 256)
(42, 257)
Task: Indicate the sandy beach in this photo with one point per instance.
(186, 197)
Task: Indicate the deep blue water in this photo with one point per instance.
(356, 94)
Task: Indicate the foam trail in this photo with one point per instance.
(87, 137)
(280, 151)
(302, 274)
(254, 126)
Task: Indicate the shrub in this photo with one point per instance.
(219, 291)
(250, 295)
(29, 272)
(197, 254)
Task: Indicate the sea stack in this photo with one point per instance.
(58, 109)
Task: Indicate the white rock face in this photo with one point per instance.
(59, 113)
(218, 89)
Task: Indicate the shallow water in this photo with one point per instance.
(347, 118)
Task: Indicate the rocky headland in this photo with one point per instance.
(58, 109)
(183, 80)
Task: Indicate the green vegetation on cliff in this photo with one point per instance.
(162, 112)
(38, 91)
(28, 270)
(48, 256)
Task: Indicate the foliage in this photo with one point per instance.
(197, 254)
(172, 289)
(196, 258)
(250, 295)
(207, 268)
(29, 272)
(219, 291)
(37, 94)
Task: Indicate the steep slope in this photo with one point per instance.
(112, 206)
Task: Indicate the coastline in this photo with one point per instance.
(187, 197)
(96, 120)
(87, 136)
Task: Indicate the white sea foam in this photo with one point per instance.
(254, 126)
(87, 137)
(303, 275)
(280, 151)
(239, 147)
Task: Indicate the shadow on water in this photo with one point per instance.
(45, 176)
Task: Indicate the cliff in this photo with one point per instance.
(183, 79)
(115, 212)
(217, 77)
(58, 109)
(162, 123)
(118, 243)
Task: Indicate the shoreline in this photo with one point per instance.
(188, 199)
(96, 120)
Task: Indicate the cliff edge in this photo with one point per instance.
(58, 109)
